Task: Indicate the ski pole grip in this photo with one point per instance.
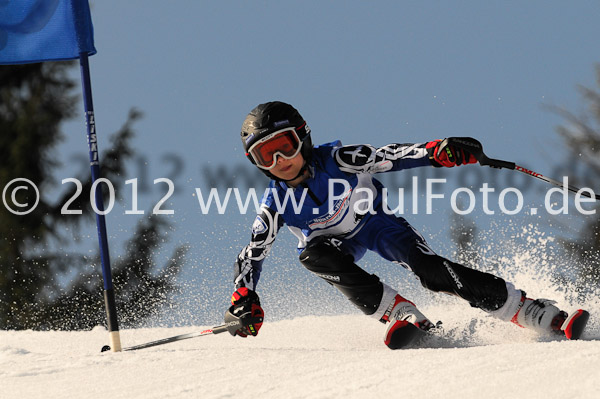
(475, 148)
(498, 163)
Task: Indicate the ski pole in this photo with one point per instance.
(230, 326)
(474, 147)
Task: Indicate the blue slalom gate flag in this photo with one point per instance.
(44, 30)
(54, 30)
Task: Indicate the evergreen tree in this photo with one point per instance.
(581, 134)
(34, 100)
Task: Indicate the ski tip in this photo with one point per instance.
(105, 348)
(575, 324)
(402, 334)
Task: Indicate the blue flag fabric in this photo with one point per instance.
(44, 30)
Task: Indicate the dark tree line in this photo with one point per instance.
(581, 134)
(41, 286)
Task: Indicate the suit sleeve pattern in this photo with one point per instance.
(248, 264)
(364, 158)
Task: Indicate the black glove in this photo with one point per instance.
(245, 306)
(444, 153)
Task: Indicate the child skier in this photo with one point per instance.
(336, 223)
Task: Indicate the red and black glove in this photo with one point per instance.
(442, 153)
(245, 306)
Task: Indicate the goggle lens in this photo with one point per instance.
(285, 143)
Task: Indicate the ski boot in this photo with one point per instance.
(407, 324)
(541, 315)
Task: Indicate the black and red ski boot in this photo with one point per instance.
(407, 324)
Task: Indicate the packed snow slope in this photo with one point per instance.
(315, 344)
(306, 357)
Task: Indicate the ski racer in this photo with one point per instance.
(337, 223)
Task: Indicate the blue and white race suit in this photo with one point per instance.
(341, 199)
(337, 215)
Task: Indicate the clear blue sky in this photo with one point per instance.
(362, 71)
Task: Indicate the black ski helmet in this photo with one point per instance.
(270, 117)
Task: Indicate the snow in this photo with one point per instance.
(329, 350)
(306, 357)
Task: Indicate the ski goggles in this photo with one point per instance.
(285, 143)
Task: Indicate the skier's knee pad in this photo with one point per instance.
(482, 290)
(322, 255)
(323, 258)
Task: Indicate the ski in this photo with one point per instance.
(575, 324)
(410, 336)
(231, 326)
(404, 337)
